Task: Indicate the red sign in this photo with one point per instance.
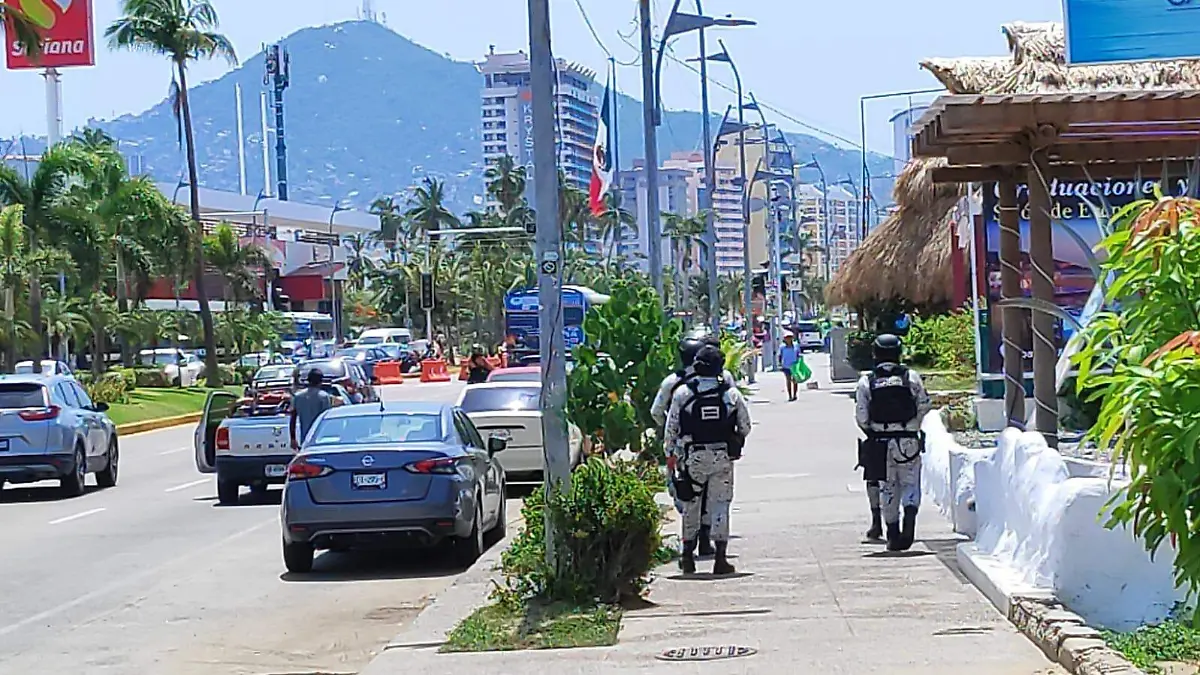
(66, 27)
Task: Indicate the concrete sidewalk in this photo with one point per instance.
(809, 596)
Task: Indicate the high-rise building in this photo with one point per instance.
(678, 186)
(902, 124)
(727, 202)
(836, 231)
(507, 112)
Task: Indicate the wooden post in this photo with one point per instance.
(1041, 255)
(1012, 317)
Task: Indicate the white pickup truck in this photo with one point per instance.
(245, 441)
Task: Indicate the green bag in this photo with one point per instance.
(800, 370)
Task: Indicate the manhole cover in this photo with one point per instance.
(706, 653)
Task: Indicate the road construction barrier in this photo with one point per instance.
(464, 373)
(434, 370)
(388, 372)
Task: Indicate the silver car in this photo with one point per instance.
(51, 430)
(410, 473)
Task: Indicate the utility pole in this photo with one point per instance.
(651, 135)
(279, 75)
(548, 250)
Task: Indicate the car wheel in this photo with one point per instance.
(108, 477)
(227, 492)
(298, 557)
(468, 549)
(72, 485)
(500, 529)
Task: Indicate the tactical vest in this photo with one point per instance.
(892, 400)
(707, 417)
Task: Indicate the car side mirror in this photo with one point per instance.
(496, 444)
(100, 407)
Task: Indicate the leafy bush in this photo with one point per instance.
(607, 543)
(129, 375)
(243, 375)
(942, 341)
(150, 377)
(737, 356)
(110, 388)
(230, 374)
(858, 349)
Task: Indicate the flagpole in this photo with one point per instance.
(602, 163)
(616, 128)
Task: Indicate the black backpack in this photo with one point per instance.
(892, 400)
(707, 417)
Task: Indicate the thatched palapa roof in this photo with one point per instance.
(908, 255)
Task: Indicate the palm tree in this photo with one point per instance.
(62, 319)
(574, 214)
(26, 28)
(683, 232)
(359, 266)
(427, 212)
(506, 184)
(236, 264)
(392, 226)
(12, 270)
(183, 31)
(613, 224)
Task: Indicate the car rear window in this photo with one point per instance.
(502, 398)
(15, 396)
(808, 328)
(501, 376)
(331, 370)
(275, 373)
(376, 428)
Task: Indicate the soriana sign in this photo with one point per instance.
(66, 27)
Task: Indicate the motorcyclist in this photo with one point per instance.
(478, 367)
(891, 402)
(707, 424)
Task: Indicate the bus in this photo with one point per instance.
(307, 334)
(521, 315)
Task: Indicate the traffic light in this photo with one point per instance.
(426, 291)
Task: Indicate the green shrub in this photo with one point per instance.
(110, 388)
(129, 374)
(607, 543)
(858, 349)
(84, 376)
(230, 374)
(942, 342)
(150, 377)
(243, 374)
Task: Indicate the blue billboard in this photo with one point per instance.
(1115, 31)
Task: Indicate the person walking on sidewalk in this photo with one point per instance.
(891, 402)
(707, 425)
(789, 354)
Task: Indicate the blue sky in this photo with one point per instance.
(809, 58)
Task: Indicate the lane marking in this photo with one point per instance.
(171, 452)
(185, 486)
(77, 516)
(782, 475)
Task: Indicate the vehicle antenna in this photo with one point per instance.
(381, 408)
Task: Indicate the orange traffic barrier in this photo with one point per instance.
(388, 372)
(434, 370)
(464, 373)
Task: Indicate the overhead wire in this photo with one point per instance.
(587, 20)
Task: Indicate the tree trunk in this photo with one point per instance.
(123, 308)
(10, 352)
(98, 349)
(211, 370)
(35, 305)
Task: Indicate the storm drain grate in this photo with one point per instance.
(710, 653)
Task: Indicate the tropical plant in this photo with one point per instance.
(25, 27)
(183, 31)
(238, 264)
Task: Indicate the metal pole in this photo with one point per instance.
(266, 149)
(862, 123)
(748, 288)
(710, 186)
(54, 118)
(280, 142)
(651, 137)
(616, 126)
(549, 257)
(241, 139)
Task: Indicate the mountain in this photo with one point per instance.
(369, 113)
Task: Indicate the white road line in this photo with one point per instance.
(782, 475)
(185, 486)
(171, 452)
(77, 516)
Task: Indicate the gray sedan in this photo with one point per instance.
(410, 474)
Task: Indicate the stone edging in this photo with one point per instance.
(1066, 639)
(155, 425)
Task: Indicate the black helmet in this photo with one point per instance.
(886, 348)
(689, 346)
(709, 362)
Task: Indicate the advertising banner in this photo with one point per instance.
(1114, 31)
(67, 35)
(1073, 277)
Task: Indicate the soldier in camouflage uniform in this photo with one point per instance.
(707, 424)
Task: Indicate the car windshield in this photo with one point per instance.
(330, 370)
(14, 396)
(275, 373)
(370, 340)
(356, 354)
(253, 360)
(376, 428)
(807, 328)
(484, 399)
(159, 358)
(392, 351)
(501, 376)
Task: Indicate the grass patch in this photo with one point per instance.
(150, 404)
(508, 627)
(944, 380)
(1149, 645)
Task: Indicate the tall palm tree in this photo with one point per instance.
(574, 214)
(392, 227)
(427, 212)
(358, 264)
(183, 31)
(237, 265)
(12, 270)
(506, 184)
(63, 319)
(613, 224)
(26, 28)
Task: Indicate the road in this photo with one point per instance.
(153, 577)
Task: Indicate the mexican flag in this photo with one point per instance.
(602, 169)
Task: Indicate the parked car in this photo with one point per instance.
(808, 336)
(415, 474)
(344, 372)
(43, 367)
(366, 357)
(273, 378)
(175, 363)
(51, 430)
(261, 359)
(379, 336)
(511, 410)
(518, 374)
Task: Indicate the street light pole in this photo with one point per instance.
(862, 141)
(710, 185)
(654, 225)
(549, 260)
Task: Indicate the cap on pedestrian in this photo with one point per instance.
(709, 361)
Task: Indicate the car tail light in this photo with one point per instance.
(301, 469)
(39, 414)
(440, 465)
(222, 439)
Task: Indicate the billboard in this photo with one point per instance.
(1115, 31)
(67, 36)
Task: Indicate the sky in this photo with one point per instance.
(811, 60)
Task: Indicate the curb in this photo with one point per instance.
(161, 423)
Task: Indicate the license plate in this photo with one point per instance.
(369, 481)
(3, 445)
(276, 470)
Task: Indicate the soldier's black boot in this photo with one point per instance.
(706, 547)
(908, 529)
(687, 561)
(722, 566)
(876, 531)
(894, 541)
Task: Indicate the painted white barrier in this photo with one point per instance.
(1038, 531)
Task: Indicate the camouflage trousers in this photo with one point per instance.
(903, 484)
(712, 472)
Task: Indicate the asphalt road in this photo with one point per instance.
(153, 577)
